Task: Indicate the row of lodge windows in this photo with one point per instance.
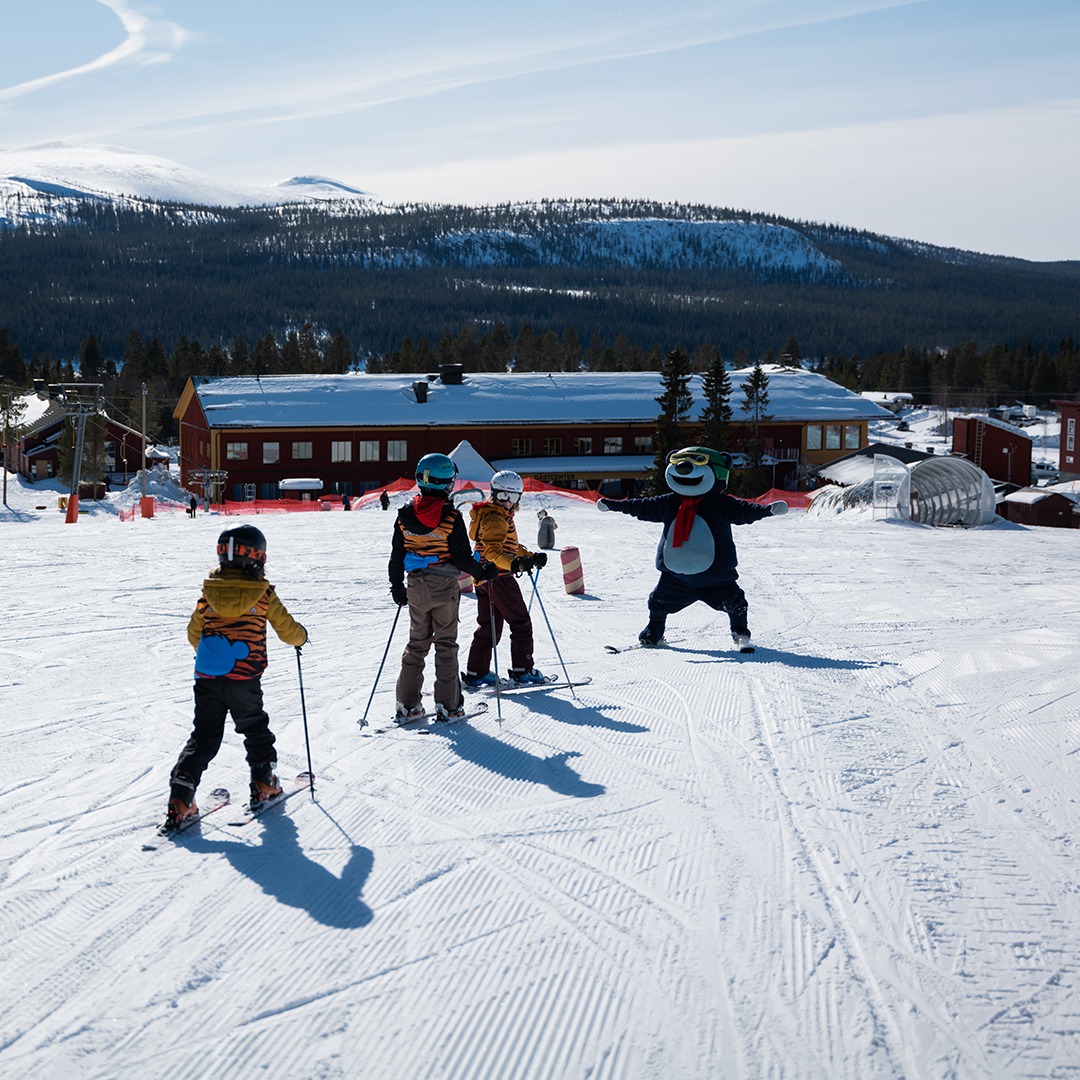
(340, 451)
(833, 436)
(613, 444)
(818, 437)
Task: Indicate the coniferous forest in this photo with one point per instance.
(153, 293)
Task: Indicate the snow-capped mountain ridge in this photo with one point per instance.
(111, 172)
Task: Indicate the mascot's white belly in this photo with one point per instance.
(697, 552)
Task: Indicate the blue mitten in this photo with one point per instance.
(777, 508)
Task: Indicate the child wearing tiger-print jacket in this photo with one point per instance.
(227, 630)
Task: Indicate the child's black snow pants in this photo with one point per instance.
(215, 699)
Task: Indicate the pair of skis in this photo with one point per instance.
(219, 799)
(615, 650)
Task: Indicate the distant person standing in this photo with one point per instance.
(193, 505)
(384, 500)
(545, 537)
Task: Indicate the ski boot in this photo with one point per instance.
(264, 784)
(443, 714)
(653, 634)
(742, 641)
(521, 677)
(478, 681)
(182, 808)
(404, 713)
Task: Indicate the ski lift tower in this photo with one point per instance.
(80, 401)
(212, 481)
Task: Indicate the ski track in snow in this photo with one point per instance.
(848, 856)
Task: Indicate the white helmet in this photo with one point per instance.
(506, 488)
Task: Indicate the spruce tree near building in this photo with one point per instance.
(675, 403)
(716, 415)
(755, 478)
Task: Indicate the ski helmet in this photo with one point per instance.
(242, 547)
(696, 470)
(435, 474)
(506, 488)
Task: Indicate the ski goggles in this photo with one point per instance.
(691, 456)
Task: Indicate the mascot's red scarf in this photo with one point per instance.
(684, 520)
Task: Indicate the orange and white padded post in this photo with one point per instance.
(572, 573)
(465, 582)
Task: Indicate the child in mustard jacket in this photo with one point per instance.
(228, 632)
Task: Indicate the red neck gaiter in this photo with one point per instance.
(429, 509)
(684, 521)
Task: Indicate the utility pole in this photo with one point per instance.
(143, 469)
(80, 401)
(7, 410)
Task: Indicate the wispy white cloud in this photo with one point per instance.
(331, 90)
(149, 39)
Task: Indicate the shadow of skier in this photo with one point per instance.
(498, 756)
(281, 869)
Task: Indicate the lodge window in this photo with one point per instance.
(367, 450)
(613, 444)
(520, 447)
(832, 436)
(397, 450)
(643, 444)
(583, 446)
(301, 451)
(1070, 435)
(852, 437)
(236, 451)
(341, 451)
(552, 447)
(271, 455)
(813, 436)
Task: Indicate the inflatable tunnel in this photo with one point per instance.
(946, 491)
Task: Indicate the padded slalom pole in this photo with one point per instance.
(543, 612)
(363, 719)
(303, 711)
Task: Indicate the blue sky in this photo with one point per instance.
(955, 122)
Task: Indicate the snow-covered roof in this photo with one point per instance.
(607, 465)
(283, 401)
(1031, 496)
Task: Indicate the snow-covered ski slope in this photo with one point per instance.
(850, 856)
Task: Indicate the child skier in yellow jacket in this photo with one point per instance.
(499, 601)
(228, 632)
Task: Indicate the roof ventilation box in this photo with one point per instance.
(451, 374)
(420, 389)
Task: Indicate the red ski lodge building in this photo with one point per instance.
(594, 431)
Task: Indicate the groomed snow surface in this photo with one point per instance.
(850, 856)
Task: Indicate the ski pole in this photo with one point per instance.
(543, 612)
(533, 593)
(495, 652)
(303, 711)
(363, 719)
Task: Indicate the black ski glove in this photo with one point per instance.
(521, 565)
(539, 560)
(399, 594)
(486, 572)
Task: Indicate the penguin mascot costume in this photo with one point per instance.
(696, 555)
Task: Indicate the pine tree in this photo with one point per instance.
(676, 401)
(716, 415)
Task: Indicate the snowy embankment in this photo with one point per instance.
(850, 856)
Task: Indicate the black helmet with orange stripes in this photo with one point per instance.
(242, 547)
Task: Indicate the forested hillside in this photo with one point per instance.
(156, 292)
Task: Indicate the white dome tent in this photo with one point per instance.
(940, 491)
